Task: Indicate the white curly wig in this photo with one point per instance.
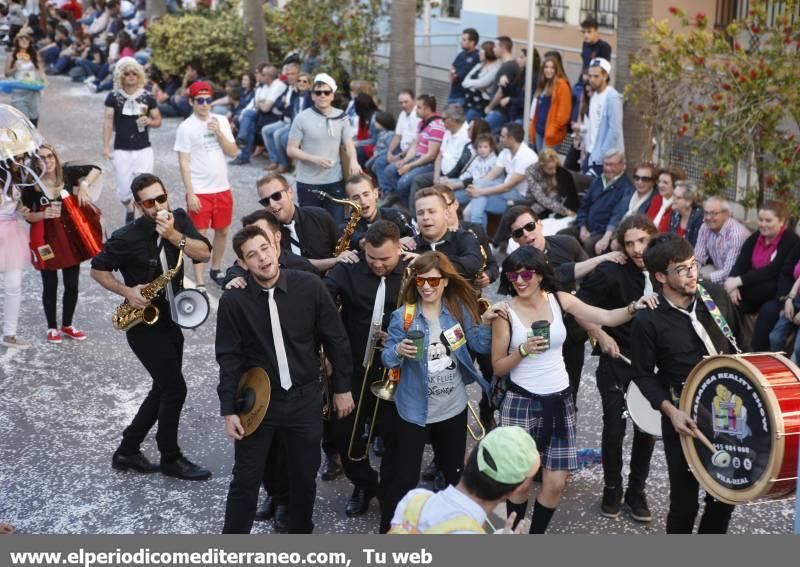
(128, 64)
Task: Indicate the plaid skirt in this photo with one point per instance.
(557, 450)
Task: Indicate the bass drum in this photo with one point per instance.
(641, 412)
(748, 406)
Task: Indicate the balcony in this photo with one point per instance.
(551, 10)
(604, 11)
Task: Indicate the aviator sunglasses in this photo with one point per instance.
(527, 275)
(147, 203)
(530, 227)
(276, 196)
(433, 281)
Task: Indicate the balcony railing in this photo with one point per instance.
(604, 11)
(551, 10)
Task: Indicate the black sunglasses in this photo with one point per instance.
(530, 227)
(323, 93)
(642, 178)
(274, 197)
(147, 203)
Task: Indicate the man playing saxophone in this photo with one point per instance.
(142, 251)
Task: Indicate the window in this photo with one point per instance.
(451, 8)
(604, 11)
(551, 10)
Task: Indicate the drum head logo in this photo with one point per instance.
(731, 412)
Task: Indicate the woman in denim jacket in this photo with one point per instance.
(431, 396)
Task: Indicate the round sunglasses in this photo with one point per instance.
(526, 275)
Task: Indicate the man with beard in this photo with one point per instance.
(665, 338)
(609, 286)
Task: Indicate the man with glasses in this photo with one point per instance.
(667, 339)
(317, 135)
(719, 240)
(611, 286)
(594, 220)
(604, 122)
(202, 142)
(571, 263)
(139, 250)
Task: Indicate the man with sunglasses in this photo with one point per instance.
(139, 251)
(317, 135)
(571, 263)
(202, 142)
(666, 339)
(610, 286)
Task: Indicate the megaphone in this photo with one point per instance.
(191, 309)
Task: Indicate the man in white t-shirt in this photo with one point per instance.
(505, 182)
(258, 112)
(202, 142)
(604, 127)
(502, 464)
(405, 132)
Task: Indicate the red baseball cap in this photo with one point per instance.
(200, 87)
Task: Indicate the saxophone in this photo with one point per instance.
(341, 245)
(126, 316)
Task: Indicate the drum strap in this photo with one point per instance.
(718, 317)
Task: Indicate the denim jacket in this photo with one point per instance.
(411, 396)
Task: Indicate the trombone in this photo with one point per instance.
(480, 433)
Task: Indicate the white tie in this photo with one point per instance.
(648, 285)
(377, 314)
(293, 238)
(699, 330)
(277, 338)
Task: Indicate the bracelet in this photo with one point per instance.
(522, 352)
(631, 307)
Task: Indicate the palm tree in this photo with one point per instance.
(254, 17)
(632, 19)
(402, 60)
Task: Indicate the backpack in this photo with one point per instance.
(413, 512)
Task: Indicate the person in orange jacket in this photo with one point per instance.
(553, 106)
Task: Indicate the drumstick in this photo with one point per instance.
(704, 440)
(719, 458)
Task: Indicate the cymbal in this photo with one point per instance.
(252, 399)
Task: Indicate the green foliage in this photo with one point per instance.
(732, 91)
(219, 41)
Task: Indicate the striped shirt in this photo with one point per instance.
(721, 248)
(432, 132)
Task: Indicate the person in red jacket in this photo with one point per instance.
(553, 105)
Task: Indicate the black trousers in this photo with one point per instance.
(402, 461)
(296, 416)
(573, 351)
(276, 472)
(360, 473)
(69, 301)
(767, 317)
(612, 386)
(683, 493)
(160, 350)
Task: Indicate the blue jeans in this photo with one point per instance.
(472, 114)
(306, 198)
(401, 185)
(62, 65)
(457, 100)
(49, 54)
(271, 134)
(247, 133)
(496, 119)
(496, 204)
(781, 331)
(281, 144)
(97, 70)
(379, 167)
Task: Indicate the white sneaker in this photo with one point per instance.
(15, 342)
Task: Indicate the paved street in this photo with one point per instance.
(62, 408)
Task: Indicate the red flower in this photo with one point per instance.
(770, 180)
(699, 60)
(685, 117)
(706, 174)
(726, 86)
(755, 29)
(673, 10)
(753, 74)
(700, 107)
(737, 46)
(715, 107)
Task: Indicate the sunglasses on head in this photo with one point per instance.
(530, 227)
(433, 281)
(527, 275)
(323, 93)
(274, 197)
(147, 203)
(203, 100)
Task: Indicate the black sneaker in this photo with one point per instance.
(637, 502)
(612, 499)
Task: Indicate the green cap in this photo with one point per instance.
(507, 454)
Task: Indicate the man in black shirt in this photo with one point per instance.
(610, 286)
(275, 323)
(357, 286)
(310, 232)
(592, 46)
(571, 263)
(664, 338)
(134, 250)
(361, 190)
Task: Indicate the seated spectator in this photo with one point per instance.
(385, 125)
(480, 82)
(285, 109)
(551, 189)
(367, 134)
(508, 102)
(356, 87)
(719, 240)
(636, 201)
(789, 319)
(687, 214)
(233, 95)
(455, 146)
(177, 105)
(91, 65)
(661, 206)
(52, 50)
(505, 182)
(396, 179)
(405, 133)
(754, 279)
(259, 113)
(553, 105)
(598, 204)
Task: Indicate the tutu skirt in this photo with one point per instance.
(14, 251)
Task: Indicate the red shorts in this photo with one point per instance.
(216, 211)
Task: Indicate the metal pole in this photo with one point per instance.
(529, 69)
